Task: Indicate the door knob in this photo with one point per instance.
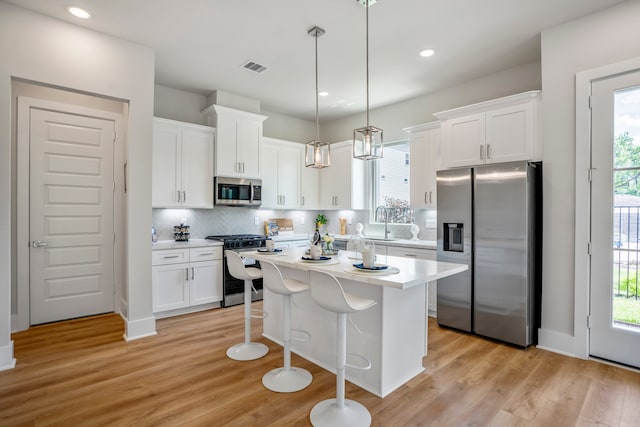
(39, 244)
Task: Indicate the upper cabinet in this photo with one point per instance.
(280, 173)
(424, 147)
(237, 150)
(501, 130)
(182, 165)
(309, 185)
(342, 185)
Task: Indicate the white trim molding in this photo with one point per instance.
(582, 266)
(556, 342)
(141, 328)
(7, 361)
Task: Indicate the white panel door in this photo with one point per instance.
(614, 332)
(464, 139)
(71, 215)
(510, 134)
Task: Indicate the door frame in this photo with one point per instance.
(21, 319)
(582, 263)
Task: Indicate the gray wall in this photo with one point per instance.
(393, 118)
(179, 105)
(599, 39)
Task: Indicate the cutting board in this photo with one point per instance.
(284, 227)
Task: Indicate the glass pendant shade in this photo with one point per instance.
(317, 154)
(367, 143)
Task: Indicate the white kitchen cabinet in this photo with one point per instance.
(427, 254)
(237, 149)
(497, 131)
(183, 278)
(309, 185)
(280, 174)
(424, 146)
(182, 165)
(343, 185)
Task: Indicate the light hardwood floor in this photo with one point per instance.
(81, 372)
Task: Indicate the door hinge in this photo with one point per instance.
(588, 322)
(589, 101)
(114, 237)
(589, 248)
(590, 174)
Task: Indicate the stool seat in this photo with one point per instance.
(327, 291)
(247, 350)
(286, 379)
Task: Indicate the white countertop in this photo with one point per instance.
(412, 272)
(192, 243)
(406, 243)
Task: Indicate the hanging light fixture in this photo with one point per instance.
(367, 141)
(317, 154)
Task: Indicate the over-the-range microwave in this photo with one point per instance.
(237, 191)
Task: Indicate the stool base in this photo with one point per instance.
(289, 381)
(247, 351)
(353, 414)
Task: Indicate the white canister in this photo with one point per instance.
(315, 251)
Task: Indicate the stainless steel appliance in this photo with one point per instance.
(238, 191)
(232, 288)
(489, 217)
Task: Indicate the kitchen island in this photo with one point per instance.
(392, 334)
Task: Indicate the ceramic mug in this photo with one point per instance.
(368, 258)
(270, 244)
(315, 251)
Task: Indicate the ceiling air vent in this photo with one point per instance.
(254, 66)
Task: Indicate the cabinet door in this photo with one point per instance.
(226, 158)
(170, 287)
(426, 254)
(309, 185)
(270, 193)
(248, 147)
(418, 173)
(335, 184)
(205, 282)
(165, 166)
(464, 139)
(510, 134)
(432, 166)
(289, 177)
(197, 168)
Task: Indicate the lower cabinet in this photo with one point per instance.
(428, 254)
(183, 278)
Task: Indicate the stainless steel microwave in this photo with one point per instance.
(238, 191)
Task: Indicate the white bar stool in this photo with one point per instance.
(286, 379)
(247, 350)
(327, 291)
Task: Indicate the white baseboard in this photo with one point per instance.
(7, 361)
(557, 342)
(141, 328)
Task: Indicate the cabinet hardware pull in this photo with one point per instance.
(187, 271)
(171, 256)
(179, 199)
(184, 196)
(242, 167)
(488, 151)
(205, 253)
(411, 255)
(193, 274)
(425, 197)
(302, 200)
(284, 199)
(481, 152)
(430, 193)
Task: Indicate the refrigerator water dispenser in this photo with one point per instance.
(453, 234)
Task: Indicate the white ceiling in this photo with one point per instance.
(201, 44)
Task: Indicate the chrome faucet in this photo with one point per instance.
(386, 220)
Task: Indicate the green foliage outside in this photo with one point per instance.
(626, 155)
(626, 286)
(626, 310)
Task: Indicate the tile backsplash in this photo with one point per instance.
(235, 220)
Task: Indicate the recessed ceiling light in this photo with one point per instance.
(323, 93)
(78, 12)
(427, 53)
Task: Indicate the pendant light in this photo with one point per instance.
(367, 141)
(317, 154)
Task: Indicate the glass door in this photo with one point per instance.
(614, 319)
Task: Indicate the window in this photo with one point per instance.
(391, 183)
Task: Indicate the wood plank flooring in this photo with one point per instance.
(82, 373)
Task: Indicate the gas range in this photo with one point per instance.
(240, 241)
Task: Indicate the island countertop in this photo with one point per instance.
(411, 271)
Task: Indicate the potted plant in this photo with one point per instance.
(320, 220)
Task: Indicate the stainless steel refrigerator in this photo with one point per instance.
(489, 217)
